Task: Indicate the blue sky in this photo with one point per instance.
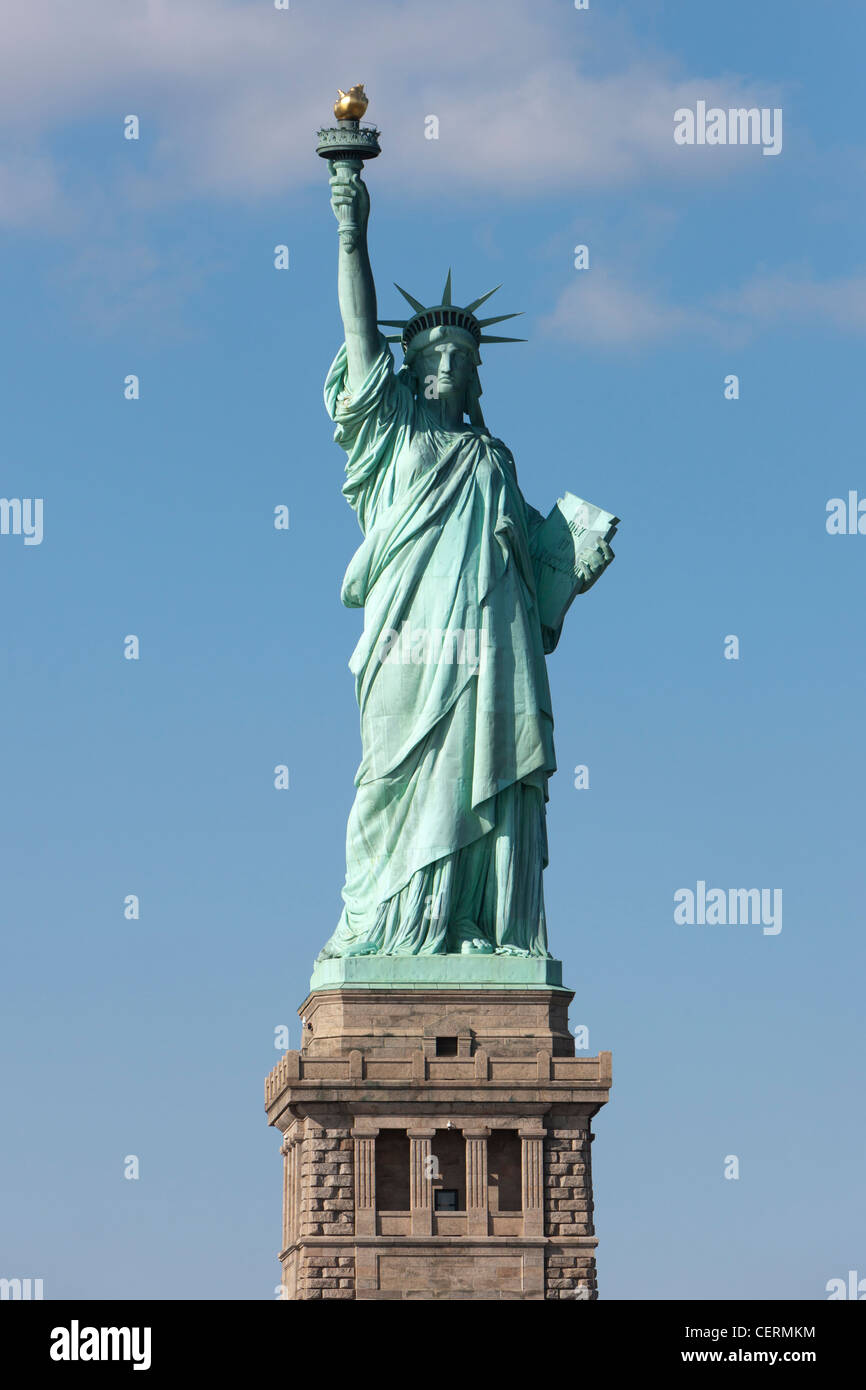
(155, 777)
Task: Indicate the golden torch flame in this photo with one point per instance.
(351, 105)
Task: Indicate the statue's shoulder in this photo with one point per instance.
(485, 437)
(498, 445)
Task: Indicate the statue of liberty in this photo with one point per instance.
(446, 841)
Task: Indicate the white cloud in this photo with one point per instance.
(230, 94)
(793, 297)
(598, 310)
(531, 100)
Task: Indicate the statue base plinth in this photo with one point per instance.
(436, 1136)
(437, 972)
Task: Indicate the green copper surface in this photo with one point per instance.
(464, 587)
(437, 972)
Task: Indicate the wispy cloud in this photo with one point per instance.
(531, 101)
(598, 310)
(113, 287)
(29, 190)
(794, 297)
(231, 93)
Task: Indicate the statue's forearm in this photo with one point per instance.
(356, 292)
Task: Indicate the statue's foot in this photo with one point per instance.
(476, 946)
(361, 948)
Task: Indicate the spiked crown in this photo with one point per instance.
(446, 315)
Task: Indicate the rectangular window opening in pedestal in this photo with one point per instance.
(504, 1171)
(392, 1170)
(448, 1149)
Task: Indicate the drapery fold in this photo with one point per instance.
(456, 723)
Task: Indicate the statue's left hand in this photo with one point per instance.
(595, 564)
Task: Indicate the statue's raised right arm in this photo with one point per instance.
(355, 288)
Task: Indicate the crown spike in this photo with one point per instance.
(410, 299)
(446, 314)
(500, 318)
(476, 303)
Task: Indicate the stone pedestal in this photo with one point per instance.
(436, 1142)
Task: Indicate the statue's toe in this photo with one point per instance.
(477, 946)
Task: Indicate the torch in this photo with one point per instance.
(347, 144)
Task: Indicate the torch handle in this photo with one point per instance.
(348, 227)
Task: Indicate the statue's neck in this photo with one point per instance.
(448, 412)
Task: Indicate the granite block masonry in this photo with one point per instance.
(437, 1145)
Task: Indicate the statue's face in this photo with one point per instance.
(446, 365)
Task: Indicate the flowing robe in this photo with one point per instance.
(446, 838)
